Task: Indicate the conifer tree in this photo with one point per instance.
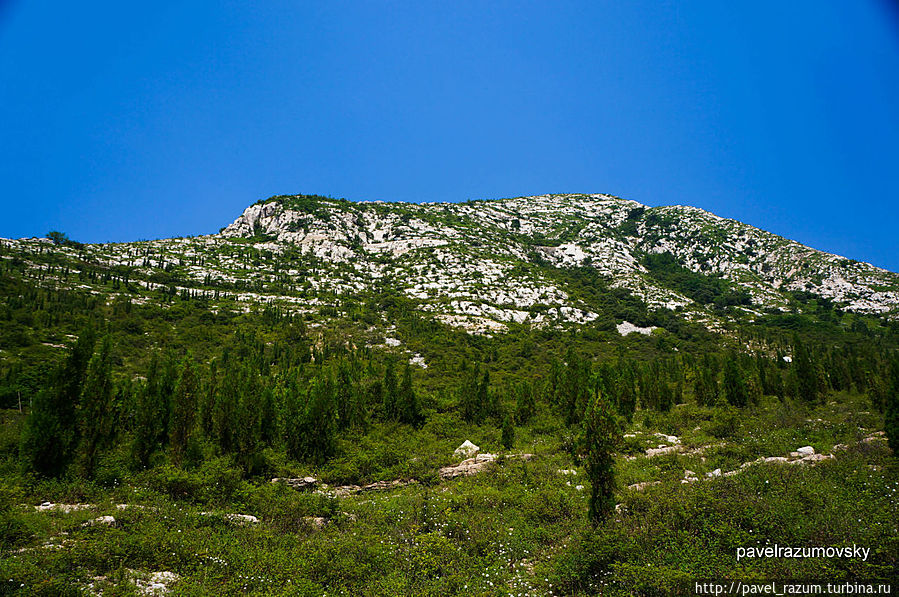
(207, 400)
(574, 389)
(50, 435)
(627, 392)
(468, 394)
(168, 378)
(294, 420)
(409, 407)
(761, 364)
(602, 434)
(891, 418)
(508, 432)
(96, 413)
(225, 406)
(184, 407)
(666, 396)
(319, 423)
(268, 428)
(735, 390)
(806, 373)
(525, 406)
(145, 421)
(482, 406)
(347, 408)
(390, 391)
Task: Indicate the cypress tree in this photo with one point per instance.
(508, 432)
(50, 435)
(602, 436)
(268, 428)
(294, 419)
(525, 406)
(390, 391)
(891, 418)
(666, 396)
(184, 407)
(207, 404)
(408, 404)
(319, 424)
(627, 392)
(225, 407)
(735, 390)
(145, 421)
(482, 406)
(468, 394)
(96, 412)
(806, 373)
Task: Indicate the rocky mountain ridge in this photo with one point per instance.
(485, 265)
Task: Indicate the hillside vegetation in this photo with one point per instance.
(276, 409)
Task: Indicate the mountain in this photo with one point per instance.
(552, 395)
(549, 260)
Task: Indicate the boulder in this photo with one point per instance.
(644, 485)
(660, 451)
(298, 483)
(66, 508)
(806, 450)
(241, 519)
(108, 521)
(813, 458)
(466, 450)
(689, 477)
(470, 466)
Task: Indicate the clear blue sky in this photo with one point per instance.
(122, 120)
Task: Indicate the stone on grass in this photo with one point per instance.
(466, 450)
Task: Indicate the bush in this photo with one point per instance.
(217, 481)
(725, 422)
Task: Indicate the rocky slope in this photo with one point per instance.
(480, 265)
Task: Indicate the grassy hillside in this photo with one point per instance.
(146, 411)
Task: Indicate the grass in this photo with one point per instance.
(519, 528)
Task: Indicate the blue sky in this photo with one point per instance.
(121, 122)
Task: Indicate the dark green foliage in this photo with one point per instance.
(96, 415)
(666, 396)
(574, 389)
(483, 404)
(705, 382)
(735, 390)
(312, 422)
(806, 373)
(525, 404)
(602, 435)
(891, 415)
(184, 407)
(703, 289)
(469, 399)
(626, 390)
(146, 430)
(50, 436)
(508, 432)
(408, 405)
(62, 239)
(390, 395)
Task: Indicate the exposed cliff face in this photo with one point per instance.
(480, 242)
(487, 264)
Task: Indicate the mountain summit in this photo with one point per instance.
(548, 260)
(482, 264)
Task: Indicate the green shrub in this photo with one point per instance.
(725, 422)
